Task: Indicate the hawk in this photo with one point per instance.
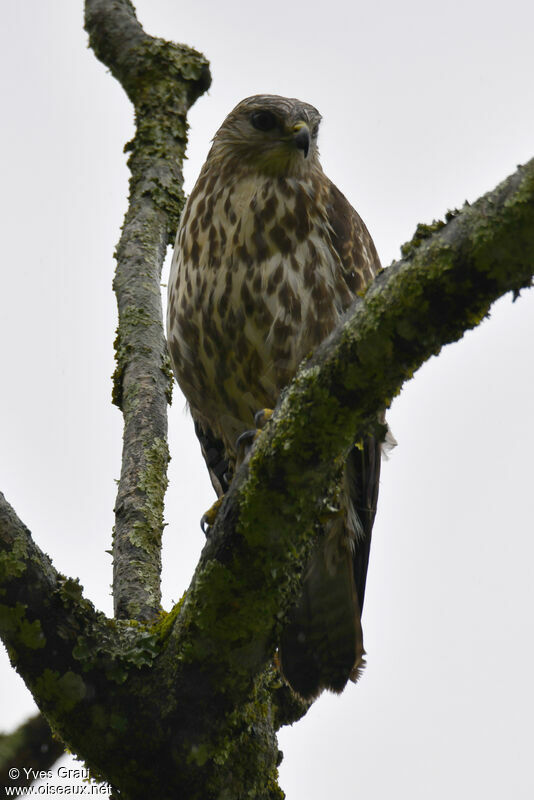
(269, 255)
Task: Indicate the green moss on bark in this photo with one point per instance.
(153, 484)
(12, 562)
(24, 632)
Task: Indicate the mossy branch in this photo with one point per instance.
(163, 80)
(30, 748)
(104, 684)
(46, 625)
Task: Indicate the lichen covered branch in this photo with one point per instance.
(162, 80)
(67, 653)
(29, 749)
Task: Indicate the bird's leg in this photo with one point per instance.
(243, 446)
(244, 442)
(262, 417)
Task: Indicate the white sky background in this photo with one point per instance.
(424, 106)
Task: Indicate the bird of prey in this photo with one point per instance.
(269, 255)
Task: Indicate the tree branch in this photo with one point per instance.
(31, 746)
(54, 637)
(162, 80)
(102, 684)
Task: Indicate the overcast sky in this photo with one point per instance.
(424, 105)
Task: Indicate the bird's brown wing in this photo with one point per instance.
(322, 644)
(352, 241)
(360, 262)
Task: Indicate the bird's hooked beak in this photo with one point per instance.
(301, 137)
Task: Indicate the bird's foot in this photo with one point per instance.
(244, 442)
(208, 519)
(243, 447)
(262, 417)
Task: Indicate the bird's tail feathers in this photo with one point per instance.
(322, 645)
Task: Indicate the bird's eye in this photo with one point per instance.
(263, 120)
(315, 131)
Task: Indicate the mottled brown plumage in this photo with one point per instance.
(269, 254)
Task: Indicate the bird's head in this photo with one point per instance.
(269, 134)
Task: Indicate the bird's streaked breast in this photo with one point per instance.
(255, 285)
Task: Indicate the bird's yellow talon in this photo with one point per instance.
(262, 417)
(208, 519)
